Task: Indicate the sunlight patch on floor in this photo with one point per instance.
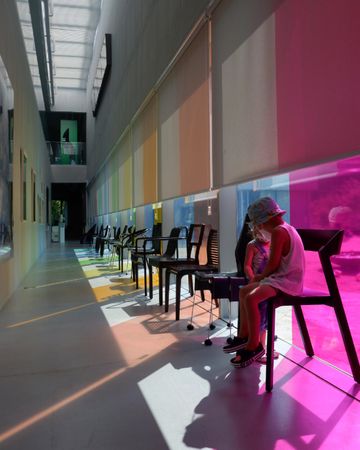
(115, 314)
(171, 389)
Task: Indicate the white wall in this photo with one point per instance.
(68, 173)
(29, 236)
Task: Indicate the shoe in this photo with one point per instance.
(237, 344)
(247, 357)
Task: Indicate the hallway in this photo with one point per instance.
(89, 363)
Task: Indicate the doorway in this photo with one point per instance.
(72, 200)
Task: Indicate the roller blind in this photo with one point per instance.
(100, 194)
(183, 111)
(112, 188)
(285, 85)
(318, 72)
(113, 182)
(244, 93)
(124, 155)
(144, 143)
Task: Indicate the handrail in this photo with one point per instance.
(63, 153)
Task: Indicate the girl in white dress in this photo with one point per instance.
(283, 272)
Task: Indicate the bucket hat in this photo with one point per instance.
(263, 210)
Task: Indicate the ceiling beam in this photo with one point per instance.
(48, 42)
(39, 39)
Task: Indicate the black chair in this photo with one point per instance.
(98, 232)
(130, 244)
(120, 245)
(194, 237)
(87, 238)
(139, 255)
(327, 243)
(114, 243)
(104, 240)
(224, 285)
(156, 261)
(180, 270)
(111, 241)
(103, 235)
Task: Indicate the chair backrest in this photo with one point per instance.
(240, 249)
(327, 243)
(194, 240)
(128, 236)
(156, 232)
(92, 230)
(136, 234)
(172, 244)
(106, 232)
(124, 231)
(212, 249)
(128, 231)
(117, 233)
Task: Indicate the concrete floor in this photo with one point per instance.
(87, 362)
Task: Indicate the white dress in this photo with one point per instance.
(290, 274)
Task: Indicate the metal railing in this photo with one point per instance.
(67, 152)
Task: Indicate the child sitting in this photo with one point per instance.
(284, 272)
(256, 258)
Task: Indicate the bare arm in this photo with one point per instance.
(280, 242)
(249, 256)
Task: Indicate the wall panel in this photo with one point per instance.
(184, 143)
(144, 141)
(125, 172)
(318, 72)
(244, 91)
(285, 85)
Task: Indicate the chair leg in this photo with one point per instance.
(136, 274)
(160, 286)
(167, 289)
(133, 264)
(127, 262)
(191, 287)
(102, 248)
(202, 295)
(348, 341)
(150, 282)
(211, 325)
(178, 296)
(303, 330)
(270, 347)
(145, 281)
(229, 322)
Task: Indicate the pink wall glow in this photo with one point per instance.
(328, 196)
(318, 72)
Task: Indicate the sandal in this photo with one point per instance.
(247, 357)
(237, 344)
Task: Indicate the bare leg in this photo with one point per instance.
(263, 338)
(263, 343)
(251, 301)
(243, 329)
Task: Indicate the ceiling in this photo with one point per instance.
(72, 25)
